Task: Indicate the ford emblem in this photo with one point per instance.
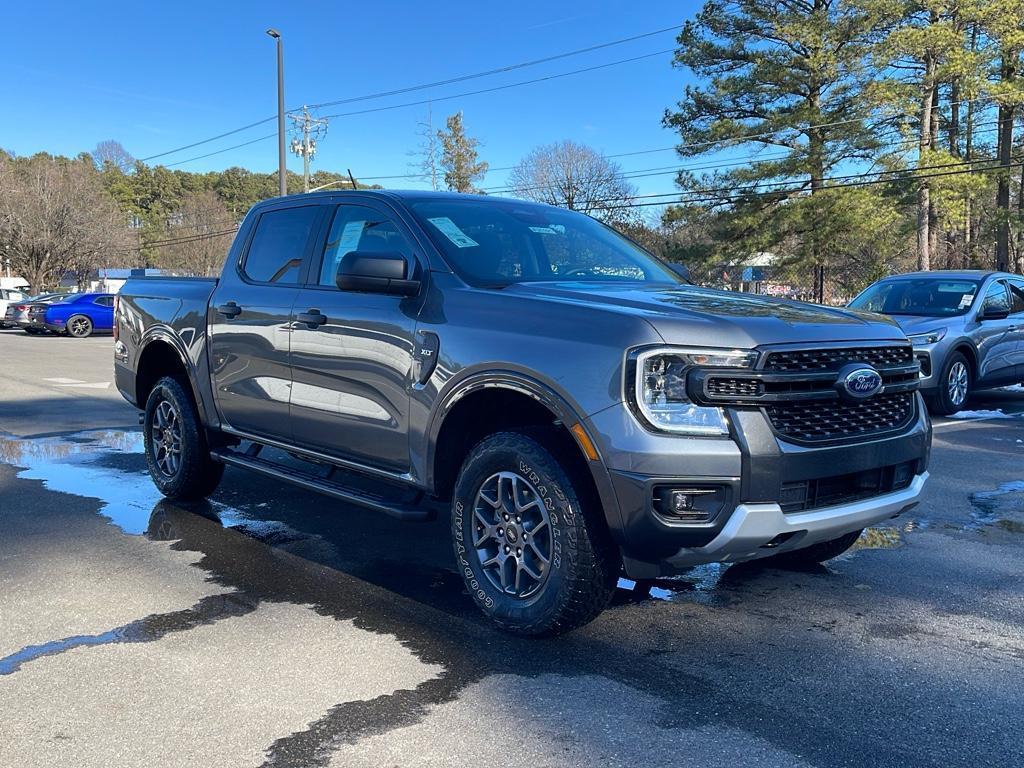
(859, 383)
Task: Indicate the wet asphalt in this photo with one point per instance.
(275, 627)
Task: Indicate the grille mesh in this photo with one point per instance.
(835, 419)
(807, 360)
(721, 386)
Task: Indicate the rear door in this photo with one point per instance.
(249, 321)
(1016, 286)
(351, 373)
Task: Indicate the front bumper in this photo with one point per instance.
(752, 528)
(755, 470)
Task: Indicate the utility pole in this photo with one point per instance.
(310, 129)
(282, 169)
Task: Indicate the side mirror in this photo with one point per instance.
(680, 269)
(373, 272)
(994, 313)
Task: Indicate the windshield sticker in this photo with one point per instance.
(451, 230)
(545, 230)
(349, 240)
(965, 300)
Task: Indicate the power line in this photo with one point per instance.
(423, 86)
(427, 101)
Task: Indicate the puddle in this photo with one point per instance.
(1002, 508)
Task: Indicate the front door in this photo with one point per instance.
(249, 322)
(997, 338)
(351, 369)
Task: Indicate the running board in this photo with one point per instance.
(322, 484)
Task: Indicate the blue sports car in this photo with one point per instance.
(82, 314)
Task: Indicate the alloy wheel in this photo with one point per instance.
(79, 326)
(512, 534)
(165, 438)
(958, 382)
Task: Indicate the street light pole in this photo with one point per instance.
(281, 168)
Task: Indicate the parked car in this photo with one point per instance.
(575, 404)
(8, 296)
(29, 313)
(967, 328)
(81, 314)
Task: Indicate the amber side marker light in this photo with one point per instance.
(584, 441)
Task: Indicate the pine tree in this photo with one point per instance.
(459, 156)
(783, 75)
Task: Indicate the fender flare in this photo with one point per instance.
(546, 396)
(163, 334)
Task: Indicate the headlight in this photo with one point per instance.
(931, 337)
(660, 388)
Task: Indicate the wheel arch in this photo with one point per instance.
(162, 354)
(494, 401)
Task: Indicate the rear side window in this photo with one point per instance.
(1016, 296)
(279, 244)
(105, 301)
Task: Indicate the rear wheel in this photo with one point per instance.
(535, 557)
(78, 326)
(177, 452)
(955, 383)
(814, 554)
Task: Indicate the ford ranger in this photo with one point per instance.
(579, 408)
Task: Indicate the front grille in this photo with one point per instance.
(814, 360)
(843, 489)
(725, 386)
(836, 420)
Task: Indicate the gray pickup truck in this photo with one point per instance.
(579, 408)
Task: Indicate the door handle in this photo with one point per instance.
(312, 318)
(229, 310)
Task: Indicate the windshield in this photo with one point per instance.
(926, 296)
(496, 243)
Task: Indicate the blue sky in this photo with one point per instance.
(157, 75)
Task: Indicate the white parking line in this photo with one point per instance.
(962, 422)
(84, 385)
(61, 380)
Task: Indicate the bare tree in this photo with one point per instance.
(462, 167)
(427, 163)
(114, 153)
(573, 176)
(57, 219)
(201, 226)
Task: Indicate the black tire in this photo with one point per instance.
(812, 555)
(582, 561)
(78, 326)
(172, 422)
(32, 331)
(947, 399)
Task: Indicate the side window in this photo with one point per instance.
(278, 245)
(1016, 296)
(105, 301)
(996, 297)
(359, 228)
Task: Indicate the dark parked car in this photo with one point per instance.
(30, 313)
(81, 314)
(577, 407)
(967, 328)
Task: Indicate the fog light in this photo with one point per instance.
(690, 504)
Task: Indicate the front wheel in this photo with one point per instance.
(954, 386)
(535, 557)
(78, 326)
(177, 452)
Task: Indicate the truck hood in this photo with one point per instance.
(687, 314)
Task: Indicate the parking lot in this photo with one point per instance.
(275, 627)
